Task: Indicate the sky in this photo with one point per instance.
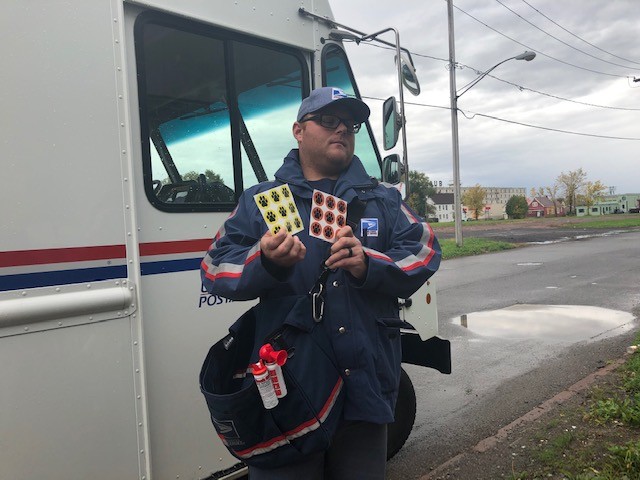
(581, 81)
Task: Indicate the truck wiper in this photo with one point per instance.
(207, 111)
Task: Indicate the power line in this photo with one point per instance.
(539, 127)
(538, 51)
(578, 37)
(519, 43)
(412, 53)
(562, 41)
(410, 103)
(569, 132)
(519, 87)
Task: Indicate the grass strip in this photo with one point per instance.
(617, 223)
(605, 446)
(472, 246)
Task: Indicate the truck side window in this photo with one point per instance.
(216, 112)
(336, 72)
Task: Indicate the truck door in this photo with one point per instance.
(216, 111)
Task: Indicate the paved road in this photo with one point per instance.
(505, 363)
(527, 233)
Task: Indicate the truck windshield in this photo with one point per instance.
(217, 108)
(216, 111)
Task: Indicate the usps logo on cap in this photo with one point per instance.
(337, 93)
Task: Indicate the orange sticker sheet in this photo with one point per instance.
(328, 215)
(279, 210)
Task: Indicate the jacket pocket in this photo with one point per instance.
(389, 354)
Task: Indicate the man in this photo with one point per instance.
(387, 253)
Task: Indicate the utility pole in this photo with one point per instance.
(457, 203)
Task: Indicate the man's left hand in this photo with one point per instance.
(347, 253)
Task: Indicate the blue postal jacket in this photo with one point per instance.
(361, 317)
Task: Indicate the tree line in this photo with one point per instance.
(571, 188)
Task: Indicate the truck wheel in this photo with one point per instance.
(405, 414)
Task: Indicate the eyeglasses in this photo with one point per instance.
(332, 122)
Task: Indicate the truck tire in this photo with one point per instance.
(405, 415)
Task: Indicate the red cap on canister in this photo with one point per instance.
(265, 351)
(258, 368)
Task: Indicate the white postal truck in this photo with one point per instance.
(129, 130)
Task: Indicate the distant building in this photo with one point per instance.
(444, 206)
(608, 204)
(544, 207)
(495, 200)
(624, 202)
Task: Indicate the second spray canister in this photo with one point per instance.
(274, 359)
(265, 386)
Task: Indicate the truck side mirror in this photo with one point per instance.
(392, 169)
(391, 123)
(409, 77)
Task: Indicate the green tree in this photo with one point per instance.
(517, 207)
(210, 174)
(475, 199)
(571, 183)
(420, 188)
(593, 192)
(536, 193)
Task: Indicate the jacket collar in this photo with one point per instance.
(354, 178)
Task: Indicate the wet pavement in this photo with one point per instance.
(538, 319)
(550, 323)
(530, 235)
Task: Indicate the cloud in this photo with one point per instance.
(496, 153)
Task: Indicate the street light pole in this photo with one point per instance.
(457, 201)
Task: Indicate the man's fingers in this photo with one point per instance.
(344, 238)
(298, 249)
(344, 232)
(291, 247)
(271, 242)
(284, 246)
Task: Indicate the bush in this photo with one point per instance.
(517, 207)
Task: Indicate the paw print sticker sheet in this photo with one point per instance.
(328, 215)
(279, 210)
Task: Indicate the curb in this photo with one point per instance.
(558, 399)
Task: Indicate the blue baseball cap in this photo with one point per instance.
(325, 96)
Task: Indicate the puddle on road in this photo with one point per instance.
(579, 237)
(555, 323)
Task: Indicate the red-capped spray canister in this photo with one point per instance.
(273, 360)
(265, 386)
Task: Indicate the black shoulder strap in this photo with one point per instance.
(356, 209)
(355, 212)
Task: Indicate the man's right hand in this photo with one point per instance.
(282, 249)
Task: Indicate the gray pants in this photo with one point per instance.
(358, 452)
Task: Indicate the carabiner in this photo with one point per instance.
(317, 303)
